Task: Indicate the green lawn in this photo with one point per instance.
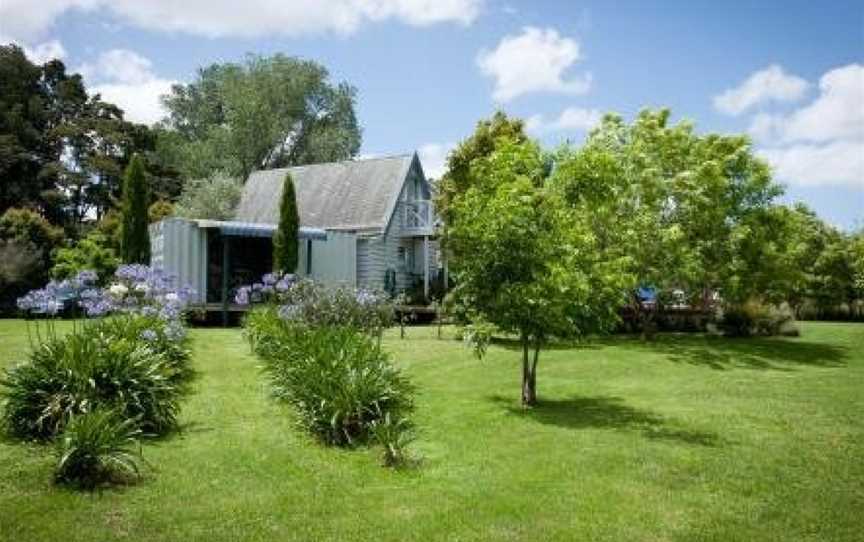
(689, 439)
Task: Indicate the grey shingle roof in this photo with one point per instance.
(355, 194)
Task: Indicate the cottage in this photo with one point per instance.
(367, 223)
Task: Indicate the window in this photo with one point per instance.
(402, 257)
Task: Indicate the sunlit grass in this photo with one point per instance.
(688, 438)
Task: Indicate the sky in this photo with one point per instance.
(790, 74)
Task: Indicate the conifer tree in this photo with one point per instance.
(286, 238)
(134, 237)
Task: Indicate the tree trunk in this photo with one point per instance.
(529, 374)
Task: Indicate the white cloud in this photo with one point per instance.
(837, 163)
(822, 142)
(838, 112)
(126, 79)
(43, 52)
(39, 53)
(534, 61)
(770, 84)
(433, 157)
(571, 119)
(217, 18)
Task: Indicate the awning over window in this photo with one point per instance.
(255, 229)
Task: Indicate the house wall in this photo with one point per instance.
(333, 260)
(376, 254)
(180, 248)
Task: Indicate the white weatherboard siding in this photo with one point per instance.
(333, 260)
(180, 248)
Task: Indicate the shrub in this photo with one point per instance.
(90, 253)
(159, 210)
(97, 366)
(757, 319)
(394, 435)
(26, 243)
(339, 381)
(305, 302)
(19, 264)
(98, 447)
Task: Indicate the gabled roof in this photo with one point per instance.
(355, 194)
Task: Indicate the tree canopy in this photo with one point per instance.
(263, 113)
(525, 263)
(692, 212)
(62, 151)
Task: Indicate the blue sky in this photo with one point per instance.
(789, 73)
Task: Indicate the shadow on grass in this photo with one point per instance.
(602, 412)
(719, 353)
(722, 353)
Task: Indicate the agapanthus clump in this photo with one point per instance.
(135, 289)
(305, 302)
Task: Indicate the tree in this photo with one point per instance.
(215, 197)
(266, 112)
(134, 236)
(690, 212)
(285, 240)
(62, 151)
(525, 262)
(483, 142)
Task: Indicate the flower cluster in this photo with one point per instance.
(56, 296)
(312, 304)
(136, 289)
(270, 289)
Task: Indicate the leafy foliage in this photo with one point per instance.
(395, 436)
(98, 447)
(90, 253)
(94, 367)
(285, 240)
(62, 151)
(483, 142)
(26, 243)
(338, 381)
(756, 319)
(690, 212)
(215, 197)
(134, 235)
(159, 210)
(524, 262)
(265, 112)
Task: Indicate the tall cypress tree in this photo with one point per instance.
(286, 238)
(134, 237)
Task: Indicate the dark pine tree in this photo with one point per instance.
(285, 240)
(134, 237)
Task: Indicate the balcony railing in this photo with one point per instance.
(418, 217)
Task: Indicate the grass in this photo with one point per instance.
(689, 438)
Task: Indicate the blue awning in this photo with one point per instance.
(256, 229)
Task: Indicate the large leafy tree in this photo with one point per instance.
(285, 241)
(62, 151)
(262, 113)
(134, 235)
(691, 212)
(525, 262)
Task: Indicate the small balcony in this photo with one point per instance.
(417, 217)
